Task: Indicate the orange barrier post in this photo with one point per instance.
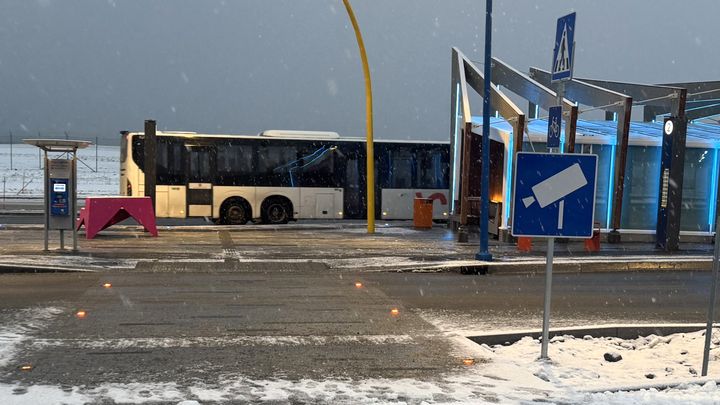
(524, 244)
(592, 244)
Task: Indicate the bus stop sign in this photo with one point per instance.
(554, 195)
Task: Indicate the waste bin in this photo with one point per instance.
(423, 213)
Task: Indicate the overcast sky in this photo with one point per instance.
(95, 67)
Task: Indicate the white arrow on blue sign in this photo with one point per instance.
(554, 195)
(564, 49)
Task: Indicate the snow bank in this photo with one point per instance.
(576, 373)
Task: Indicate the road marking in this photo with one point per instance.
(213, 341)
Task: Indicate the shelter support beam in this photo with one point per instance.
(623, 135)
(538, 94)
(150, 168)
(466, 75)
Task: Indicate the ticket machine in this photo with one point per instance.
(60, 186)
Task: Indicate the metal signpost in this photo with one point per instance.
(483, 250)
(554, 197)
(563, 60)
(711, 307)
(60, 187)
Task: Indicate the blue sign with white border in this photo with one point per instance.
(564, 49)
(554, 195)
(554, 126)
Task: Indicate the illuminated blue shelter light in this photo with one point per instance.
(611, 178)
(644, 139)
(508, 180)
(713, 191)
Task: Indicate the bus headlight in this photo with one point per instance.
(384, 213)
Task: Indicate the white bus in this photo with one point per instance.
(281, 176)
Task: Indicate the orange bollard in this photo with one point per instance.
(524, 244)
(592, 244)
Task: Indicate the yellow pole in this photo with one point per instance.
(369, 122)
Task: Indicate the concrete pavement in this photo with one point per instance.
(339, 246)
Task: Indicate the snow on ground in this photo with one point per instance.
(25, 179)
(576, 373)
(19, 327)
(76, 263)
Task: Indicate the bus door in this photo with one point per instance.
(201, 162)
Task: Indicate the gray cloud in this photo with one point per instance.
(95, 67)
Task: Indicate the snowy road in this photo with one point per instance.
(315, 337)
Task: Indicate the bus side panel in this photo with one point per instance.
(398, 203)
(321, 203)
(177, 198)
(162, 200)
(222, 193)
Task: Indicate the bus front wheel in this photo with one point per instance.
(276, 211)
(235, 211)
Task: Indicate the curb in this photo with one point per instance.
(619, 331)
(205, 228)
(21, 213)
(702, 263)
(20, 268)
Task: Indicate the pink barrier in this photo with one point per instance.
(102, 212)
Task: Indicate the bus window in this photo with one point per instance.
(432, 171)
(401, 168)
(200, 165)
(317, 167)
(138, 152)
(170, 167)
(274, 164)
(235, 165)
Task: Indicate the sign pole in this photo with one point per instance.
(483, 251)
(548, 291)
(560, 97)
(711, 306)
(46, 202)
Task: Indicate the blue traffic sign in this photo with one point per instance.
(564, 49)
(554, 126)
(554, 195)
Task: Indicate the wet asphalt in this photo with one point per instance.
(206, 305)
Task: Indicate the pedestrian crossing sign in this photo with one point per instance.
(564, 49)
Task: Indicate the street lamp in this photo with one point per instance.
(370, 177)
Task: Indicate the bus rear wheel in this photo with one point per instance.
(235, 211)
(276, 211)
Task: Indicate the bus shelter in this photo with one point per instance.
(645, 189)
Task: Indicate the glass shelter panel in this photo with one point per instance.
(697, 181)
(642, 185)
(604, 192)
